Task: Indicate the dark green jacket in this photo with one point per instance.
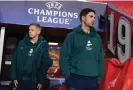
(41, 60)
(82, 54)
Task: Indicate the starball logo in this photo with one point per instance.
(55, 5)
(53, 13)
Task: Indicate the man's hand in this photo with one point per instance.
(16, 83)
(39, 86)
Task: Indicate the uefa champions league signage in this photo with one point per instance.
(61, 14)
(53, 14)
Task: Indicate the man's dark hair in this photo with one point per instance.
(85, 11)
(35, 24)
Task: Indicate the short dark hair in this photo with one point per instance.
(35, 24)
(85, 11)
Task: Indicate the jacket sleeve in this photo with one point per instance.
(101, 62)
(65, 53)
(45, 64)
(13, 68)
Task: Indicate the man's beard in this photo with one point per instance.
(87, 25)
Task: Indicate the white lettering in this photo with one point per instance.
(59, 13)
(55, 20)
(110, 42)
(61, 21)
(36, 11)
(38, 19)
(70, 14)
(52, 13)
(44, 19)
(42, 12)
(48, 5)
(64, 14)
(55, 13)
(56, 4)
(52, 5)
(124, 45)
(66, 21)
(45, 15)
(59, 7)
(50, 20)
(49, 12)
(75, 15)
(30, 10)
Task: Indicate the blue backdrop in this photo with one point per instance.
(62, 14)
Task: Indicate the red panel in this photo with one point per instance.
(115, 41)
(125, 6)
(114, 75)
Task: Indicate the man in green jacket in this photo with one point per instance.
(81, 56)
(30, 61)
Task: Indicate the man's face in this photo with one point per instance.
(89, 19)
(33, 31)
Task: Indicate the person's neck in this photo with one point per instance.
(85, 28)
(34, 40)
